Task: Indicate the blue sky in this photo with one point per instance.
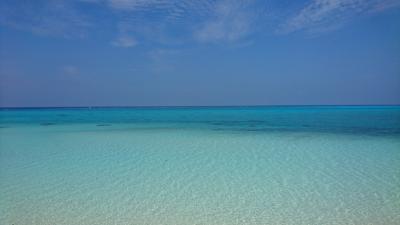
(204, 52)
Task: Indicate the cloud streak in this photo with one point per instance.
(48, 18)
(131, 5)
(230, 21)
(326, 15)
(125, 41)
(171, 22)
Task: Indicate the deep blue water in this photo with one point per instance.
(373, 120)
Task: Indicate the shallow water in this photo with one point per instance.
(229, 165)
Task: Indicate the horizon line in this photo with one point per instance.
(190, 106)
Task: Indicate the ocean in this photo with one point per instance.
(200, 165)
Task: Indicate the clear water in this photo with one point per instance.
(228, 165)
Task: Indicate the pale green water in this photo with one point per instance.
(200, 166)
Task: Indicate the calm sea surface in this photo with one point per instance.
(200, 165)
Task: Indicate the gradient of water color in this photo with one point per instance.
(226, 165)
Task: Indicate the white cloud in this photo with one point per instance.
(125, 41)
(49, 18)
(148, 19)
(230, 21)
(326, 15)
(387, 4)
(174, 22)
(137, 4)
(156, 20)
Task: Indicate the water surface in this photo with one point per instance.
(200, 165)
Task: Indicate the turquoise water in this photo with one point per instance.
(223, 165)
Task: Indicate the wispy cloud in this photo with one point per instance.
(138, 4)
(151, 20)
(173, 22)
(383, 5)
(326, 15)
(51, 18)
(158, 20)
(230, 21)
(125, 41)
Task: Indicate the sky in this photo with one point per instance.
(199, 52)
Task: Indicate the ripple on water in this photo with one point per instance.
(183, 176)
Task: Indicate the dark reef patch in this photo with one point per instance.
(47, 124)
(103, 125)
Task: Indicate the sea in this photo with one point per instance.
(200, 165)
